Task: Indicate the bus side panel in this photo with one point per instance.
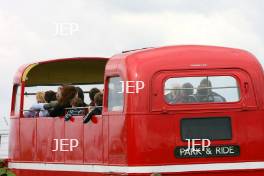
(14, 147)
(153, 140)
(74, 137)
(44, 139)
(117, 140)
(58, 156)
(93, 141)
(28, 139)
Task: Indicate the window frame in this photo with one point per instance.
(247, 101)
(16, 100)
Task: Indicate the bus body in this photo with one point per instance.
(158, 116)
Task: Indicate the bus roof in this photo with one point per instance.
(151, 60)
(62, 71)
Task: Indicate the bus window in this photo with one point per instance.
(17, 100)
(115, 98)
(207, 89)
(30, 93)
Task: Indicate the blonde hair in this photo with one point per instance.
(40, 96)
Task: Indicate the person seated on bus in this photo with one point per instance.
(80, 95)
(187, 94)
(50, 105)
(92, 93)
(36, 107)
(175, 94)
(64, 101)
(50, 96)
(98, 99)
(205, 93)
(76, 103)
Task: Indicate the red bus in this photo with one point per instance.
(192, 110)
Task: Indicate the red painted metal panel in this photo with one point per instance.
(105, 138)
(74, 130)
(117, 140)
(58, 133)
(14, 143)
(28, 139)
(93, 141)
(45, 128)
(153, 139)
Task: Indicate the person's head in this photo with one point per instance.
(92, 93)
(58, 94)
(187, 89)
(80, 93)
(40, 97)
(67, 95)
(76, 102)
(98, 99)
(50, 96)
(205, 87)
(176, 89)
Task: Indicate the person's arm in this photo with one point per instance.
(50, 105)
(95, 111)
(57, 111)
(37, 107)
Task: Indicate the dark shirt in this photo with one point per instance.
(95, 111)
(211, 97)
(57, 111)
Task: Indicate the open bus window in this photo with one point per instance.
(115, 97)
(30, 93)
(207, 89)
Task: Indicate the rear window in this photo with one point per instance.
(206, 89)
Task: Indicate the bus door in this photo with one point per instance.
(116, 121)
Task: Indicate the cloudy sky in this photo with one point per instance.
(29, 29)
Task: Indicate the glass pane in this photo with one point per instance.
(115, 97)
(201, 89)
(17, 99)
(213, 128)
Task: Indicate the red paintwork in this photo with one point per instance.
(147, 131)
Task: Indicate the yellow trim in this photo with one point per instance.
(24, 77)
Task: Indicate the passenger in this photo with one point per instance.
(98, 99)
(37, 107)
(80, 95)
(175, 95)
(187, 93)
(75, 103)
(92, 93)
(50, 96)
(205, 93)
(40, 97)
(50, 105)
(64, 101)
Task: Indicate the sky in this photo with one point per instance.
(34, 30)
